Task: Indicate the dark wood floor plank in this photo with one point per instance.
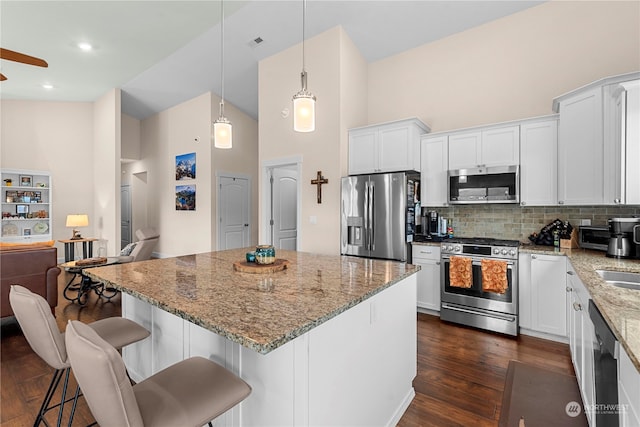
(460, 380)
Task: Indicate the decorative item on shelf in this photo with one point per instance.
(319, 181)
(77, 220)
(41, 185)
(8, 182)
(304, 102)
(40, 228)
(265, 254)
(222, 130)
(26, 180)
(250, 256)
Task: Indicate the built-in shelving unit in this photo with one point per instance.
(26, 206)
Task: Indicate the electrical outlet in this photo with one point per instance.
(585, 222)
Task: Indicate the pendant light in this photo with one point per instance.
(222, 131)
(304, 102)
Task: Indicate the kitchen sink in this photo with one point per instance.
(621, 279)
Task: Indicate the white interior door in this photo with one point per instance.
(284, 208)
(125, 215)
(233, 208)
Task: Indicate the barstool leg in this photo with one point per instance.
(64, 395)
(53, 385)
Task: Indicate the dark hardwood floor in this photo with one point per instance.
(461, 371)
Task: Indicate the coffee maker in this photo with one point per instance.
(433, 221)
(624, 240)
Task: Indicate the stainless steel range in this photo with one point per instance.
(475, 303)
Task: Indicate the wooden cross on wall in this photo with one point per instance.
(319, 181)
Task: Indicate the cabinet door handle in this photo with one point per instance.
(426, 252)
(534, 257)
(577, 306)
(616, 201)
(561, 202)
(570, 273)
(437, 262)
(569, 289)
(523, 203)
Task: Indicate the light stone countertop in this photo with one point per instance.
(259, 311)
(619, 307)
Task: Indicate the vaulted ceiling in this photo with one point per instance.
(161, 53)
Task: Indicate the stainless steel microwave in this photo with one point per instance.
(494, 184)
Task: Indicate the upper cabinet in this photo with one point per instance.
(433, 177)
(593, 137)
(389, 147)
(494, 146)
(538, 162)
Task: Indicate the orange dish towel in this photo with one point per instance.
(494, 276)
(460, 273)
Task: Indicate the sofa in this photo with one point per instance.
(35, 268)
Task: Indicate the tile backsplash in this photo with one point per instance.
(516, 222)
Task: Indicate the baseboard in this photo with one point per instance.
(544, 335)
(395, 419)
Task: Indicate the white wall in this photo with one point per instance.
(106, 170)
(327, 57)
(174, 132)
(241, 159)
(507, 69)
(130, 145)
(55, 137)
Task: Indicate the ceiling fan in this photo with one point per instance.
(20, 57)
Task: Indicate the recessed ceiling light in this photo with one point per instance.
(47, 86)
(85, 46)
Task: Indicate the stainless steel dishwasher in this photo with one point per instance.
(605, 366)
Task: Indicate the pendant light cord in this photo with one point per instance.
(222, 58)
(304, 16)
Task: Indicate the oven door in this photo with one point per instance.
(475, 296)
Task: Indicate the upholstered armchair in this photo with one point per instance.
(140, 250)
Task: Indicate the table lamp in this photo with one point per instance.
(77, 220)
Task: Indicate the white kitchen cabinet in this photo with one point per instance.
(542, 295)
(628, 391)
(428, 287)
(492, 146)
(434, 164)
(622, 143)
(581, 336)
(389, 147)
(539, 163)
(581, 150)
(26, 206)
(592, 155)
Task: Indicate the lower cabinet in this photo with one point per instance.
(628, 391)
(428, 293)
(581, 337)
(542, 295)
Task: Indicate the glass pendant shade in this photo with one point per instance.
(222, 133)
(304, 112)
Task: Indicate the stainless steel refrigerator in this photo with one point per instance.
(378, 215)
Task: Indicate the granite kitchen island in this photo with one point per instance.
(331, 340)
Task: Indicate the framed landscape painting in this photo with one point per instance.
(185, 197)
(186, 166)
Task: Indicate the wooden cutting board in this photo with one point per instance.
(252, 267)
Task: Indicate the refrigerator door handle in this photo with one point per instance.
(366, 215)
(372, 225)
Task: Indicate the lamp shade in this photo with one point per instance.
(222, 133)
(304, 112)
(77, 220)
